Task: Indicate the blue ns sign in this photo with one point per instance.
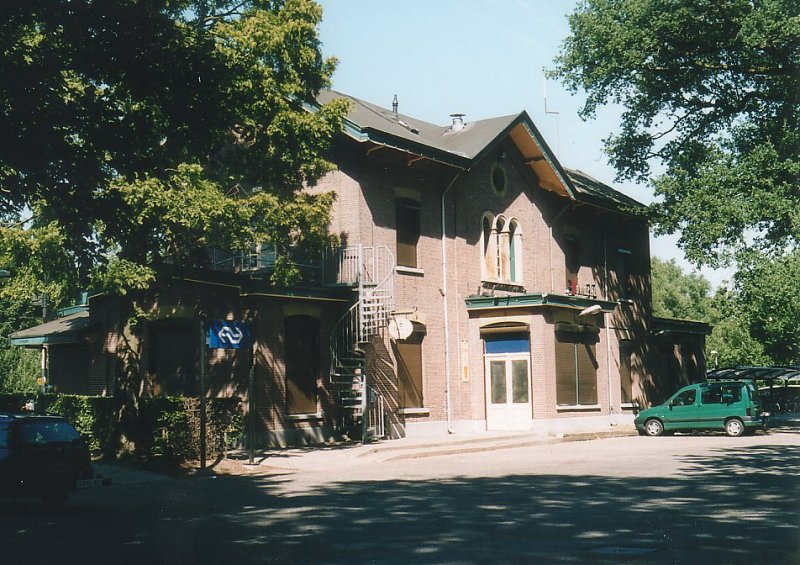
(228, 334)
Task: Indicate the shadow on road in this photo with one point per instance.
(738, 505)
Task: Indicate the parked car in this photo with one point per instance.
(732, 406)
(43, 457)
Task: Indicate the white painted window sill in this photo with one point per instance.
(409, 270)
(514, 286)
(578, 408)
(304, 417)
(414, 411)
(629, 406)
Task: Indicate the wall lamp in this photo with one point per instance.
(594, 309)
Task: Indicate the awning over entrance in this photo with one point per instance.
(538, 299)
(69, 329)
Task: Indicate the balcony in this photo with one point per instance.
(356, 265)
(348, 266)
(588, 290)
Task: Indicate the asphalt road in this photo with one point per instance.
(682, 499)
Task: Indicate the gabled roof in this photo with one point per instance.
(463, 148)
(368, 122)
(69, 329)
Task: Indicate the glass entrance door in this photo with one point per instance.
(508, 393)
(508, 390)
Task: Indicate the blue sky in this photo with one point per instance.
(482, 58)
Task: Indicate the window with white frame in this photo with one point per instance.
(488, 248)
(514, 251)
(407, 216)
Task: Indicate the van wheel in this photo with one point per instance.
(653, 427)
(734, 427)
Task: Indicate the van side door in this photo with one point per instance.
(718, 402)
(682, 412)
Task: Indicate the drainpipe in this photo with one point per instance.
(443, 290)
(608, 330)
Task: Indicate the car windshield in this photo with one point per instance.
(35, 432)
(686, 398)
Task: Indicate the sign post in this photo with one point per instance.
(202, 397)
(223, 334)
(251, 414)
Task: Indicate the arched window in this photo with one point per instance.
(514, 251)
(501, 246)
(501, 235)
(488, 249)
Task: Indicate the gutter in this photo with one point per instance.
(608, 330)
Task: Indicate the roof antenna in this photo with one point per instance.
(394, 105)
(552, 112)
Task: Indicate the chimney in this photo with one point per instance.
(394, 105)
(458, 122)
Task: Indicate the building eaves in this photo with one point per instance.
(589, 190)
(463, 148)
(663, 326)
(69, 329)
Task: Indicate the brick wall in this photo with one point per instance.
(364, 213)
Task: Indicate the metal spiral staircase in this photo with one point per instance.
(369, 270)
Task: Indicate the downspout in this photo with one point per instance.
(608, 330)
(443, 290)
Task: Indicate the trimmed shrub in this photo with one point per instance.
(167, 426)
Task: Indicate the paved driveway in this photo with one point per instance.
(681, 499)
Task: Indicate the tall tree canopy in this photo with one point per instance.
(710, 92)
(746, 329)
(679, 295)
(147, 131)
(766, 297)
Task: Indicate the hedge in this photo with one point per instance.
(165, 426)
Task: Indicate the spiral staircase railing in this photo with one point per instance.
(371, 271)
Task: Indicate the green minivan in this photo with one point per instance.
(732, 406)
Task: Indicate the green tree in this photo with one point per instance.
(731, 338)
(44, 276)
(767, 298)
(170, 113)
(20, 369)
(710, 93)
(734, 339)
(679, 295)
(136, 135)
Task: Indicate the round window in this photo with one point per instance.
(498, 177)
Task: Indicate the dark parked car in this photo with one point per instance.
(43, 457)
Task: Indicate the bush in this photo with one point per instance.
(167, 426)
